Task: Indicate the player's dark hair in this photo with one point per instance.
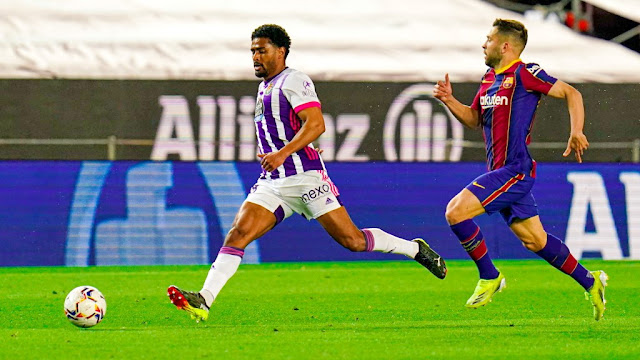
(512, 28)
(276, 34)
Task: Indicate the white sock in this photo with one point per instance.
(378, 240)
(221, 271)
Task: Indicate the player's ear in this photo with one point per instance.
(505, 46)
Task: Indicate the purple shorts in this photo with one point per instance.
(505, 191)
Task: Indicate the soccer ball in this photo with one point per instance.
(85, 306)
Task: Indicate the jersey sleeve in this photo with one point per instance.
(300, 92)
(534, 78)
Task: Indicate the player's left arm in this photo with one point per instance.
(312, 128)
(577, 142)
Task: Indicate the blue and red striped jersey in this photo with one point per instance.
(507, 101)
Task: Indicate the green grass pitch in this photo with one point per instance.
(349, 310)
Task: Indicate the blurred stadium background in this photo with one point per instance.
(127, 135)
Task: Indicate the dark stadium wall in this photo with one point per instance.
(79, 213)
(213, 120)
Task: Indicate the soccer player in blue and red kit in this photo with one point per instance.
(288, 118)
(504, 108)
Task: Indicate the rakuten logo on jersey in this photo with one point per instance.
(493, 101)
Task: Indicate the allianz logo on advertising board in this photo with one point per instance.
(416, 128)
(492, 101)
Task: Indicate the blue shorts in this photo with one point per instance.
(505, 191)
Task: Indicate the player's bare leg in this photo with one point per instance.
(339, 225)
(251, 222)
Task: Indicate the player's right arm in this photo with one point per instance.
(312, 127)
(467, 115)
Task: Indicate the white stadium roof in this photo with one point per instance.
(629, 9)
(368, 40)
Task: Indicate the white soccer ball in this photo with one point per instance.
(85, 306)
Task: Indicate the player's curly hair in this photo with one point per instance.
(276, 34)
(512, 28)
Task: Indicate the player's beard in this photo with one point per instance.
(493, 59)
(261, 73)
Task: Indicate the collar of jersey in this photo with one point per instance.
(275, 76)
(503, 69)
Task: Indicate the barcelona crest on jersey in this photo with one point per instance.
(507, 82)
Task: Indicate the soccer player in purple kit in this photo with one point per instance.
(504, 108)
(288, 118)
